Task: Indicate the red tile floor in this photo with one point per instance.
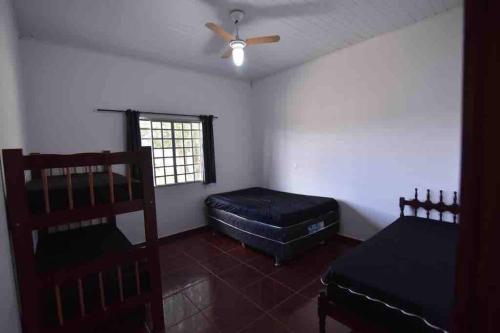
(212, 284)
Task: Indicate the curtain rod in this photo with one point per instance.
(157, 113)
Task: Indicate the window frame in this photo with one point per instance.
(173, 138)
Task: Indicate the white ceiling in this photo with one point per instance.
(173, 32)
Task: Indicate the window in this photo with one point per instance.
(176, 148)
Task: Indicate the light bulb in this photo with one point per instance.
(238, 55)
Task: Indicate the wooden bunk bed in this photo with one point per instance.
(82, 275)
(401, 279)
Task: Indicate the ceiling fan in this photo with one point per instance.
(236, 44)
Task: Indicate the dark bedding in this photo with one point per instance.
(77, 246)
(409, 265)
(58, 193)
(73, 247)
(272, 207)
(282, 235)
(278, 223)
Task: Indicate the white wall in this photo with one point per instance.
(64, 85)
(368, 123)
(365, 124)
(11, 136)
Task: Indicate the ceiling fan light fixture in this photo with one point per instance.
(236, 44)
(238, 52)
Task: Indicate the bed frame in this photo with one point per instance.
(356, 321)
(428, 205)
(22, 223)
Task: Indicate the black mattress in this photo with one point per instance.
(281, 235)
(70, 248)
(73, 247)
(276, 208)
(278, 223)
(58, 193)
(405, 274)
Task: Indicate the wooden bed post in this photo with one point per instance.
(151, 234)
(21, 237)
(36, 174)
(110, 219)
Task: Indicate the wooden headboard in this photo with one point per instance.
(428, 205)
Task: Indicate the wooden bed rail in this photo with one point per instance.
(53, 219)
(81, 324)
(43, 165)
(114, 262)
(428, 205)
(49, 161)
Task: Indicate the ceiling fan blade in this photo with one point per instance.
(262, 40)
(227, 53)
(220, 31)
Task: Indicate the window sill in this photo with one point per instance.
(177, 184)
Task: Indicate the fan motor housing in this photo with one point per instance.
(237, 44)
(236, 15)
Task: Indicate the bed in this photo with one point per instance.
(278, 223)
(71, 248)
(58, 198)
(82, 274)
(400, 280)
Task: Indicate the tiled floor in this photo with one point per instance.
(212, 284)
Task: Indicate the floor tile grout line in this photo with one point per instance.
(249, 265)
(190, 301)
(182, 291)
(231, 287)
(279, 304)
(259, 318)
(268, 312)
(224, 252)
(242, 262)
(210, 321)
(264, 275)
(180, 321)
(227, 251)
(251, 323)
(246, 263)
(200, 312)
(264, 312)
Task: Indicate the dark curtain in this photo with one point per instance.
(208, 149)
(133, 137)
